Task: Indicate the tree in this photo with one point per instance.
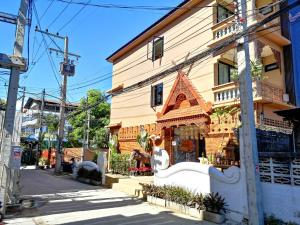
(99, 119)
(52, 122)
(2, 103)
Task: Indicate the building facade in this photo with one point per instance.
(31, 117)
(195, 110)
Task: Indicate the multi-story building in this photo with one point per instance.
(196, 109)
(32, 115)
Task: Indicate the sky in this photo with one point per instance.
(94, 34)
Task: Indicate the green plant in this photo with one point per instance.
(120, 163)
(256, 71)
(175, 194)
(215, 203)
(225, 111)
(143, 139)
(43, 162)
(196, 201)
(178, 195)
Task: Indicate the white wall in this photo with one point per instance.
(200, 178)
(280, 200)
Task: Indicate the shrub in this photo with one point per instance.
(175, 194)
(196, 201)
(215, 203)
(120, 163)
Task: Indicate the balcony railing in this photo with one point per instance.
(224, 29)
(261, 91)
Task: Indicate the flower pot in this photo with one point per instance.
(156, 201)
(196, 213)
(175, 206)
(214, 217)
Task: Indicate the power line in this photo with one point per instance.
(203, 54)
(46, 46)
(74, 16)
(136, 7)
(167, 49)
(46, 10)
(59, 15)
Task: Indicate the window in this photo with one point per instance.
(224, 73)
(223, 13)
(157, 95)
(270, 67)
(266, 9)
(158, 48)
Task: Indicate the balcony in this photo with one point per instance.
(262, 92)
(224, 29)
(273, 30)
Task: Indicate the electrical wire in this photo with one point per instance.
(74, 16)
(46, 46)
(108, 96)
(60, 13)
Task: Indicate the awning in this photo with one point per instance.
(290, 114)
(115, 89)
(114, 125)
(185, 116)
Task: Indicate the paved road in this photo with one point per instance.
(62, 200)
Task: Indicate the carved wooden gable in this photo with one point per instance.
(184, 95)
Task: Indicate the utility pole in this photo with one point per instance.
(17, 64)
(67, 68)
(249, 153)
(61, 129)
(87, 125)
(40, 126)
(23, 99)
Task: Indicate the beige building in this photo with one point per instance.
(189, 108)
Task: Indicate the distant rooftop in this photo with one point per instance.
(49, 105)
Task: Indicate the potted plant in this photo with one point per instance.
(215, 207)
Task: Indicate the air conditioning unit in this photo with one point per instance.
(286, 98)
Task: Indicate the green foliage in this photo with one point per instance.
(2, 103)
(99, 118)
(43, 162)
(52, 122)
(215, 203)
(143, 139)
(256, 71)
(272, 220)
(175, 194)
(178, 195)
(120, 163)
(225, 111)
(89, 174)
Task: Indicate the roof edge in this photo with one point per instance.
(176, 8)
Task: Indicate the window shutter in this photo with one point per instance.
(152, 96)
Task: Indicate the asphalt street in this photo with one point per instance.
(62, 200)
